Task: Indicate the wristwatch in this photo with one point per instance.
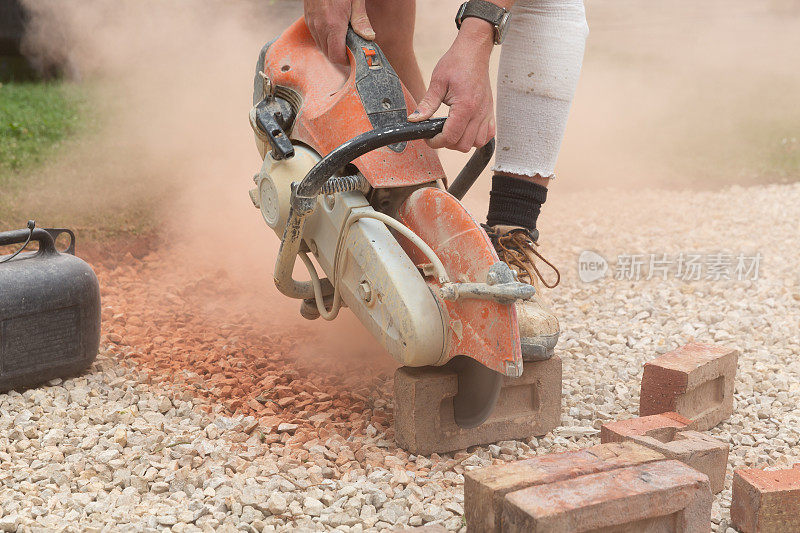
(491, 13)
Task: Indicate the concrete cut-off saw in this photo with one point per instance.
(348, 180)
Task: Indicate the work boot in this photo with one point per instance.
(538, 326)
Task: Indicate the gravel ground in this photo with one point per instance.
(194, 418)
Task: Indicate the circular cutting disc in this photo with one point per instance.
(478, 390)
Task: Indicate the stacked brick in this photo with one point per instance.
(652, 473)
(670, 435)
(656, 472)
(684, 392)
(615, 486)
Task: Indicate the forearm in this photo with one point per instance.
(479, 30)
(479, 34)
(461, 81)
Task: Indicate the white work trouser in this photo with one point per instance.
(540, 64)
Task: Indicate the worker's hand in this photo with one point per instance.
(328, 20)
(461, 81)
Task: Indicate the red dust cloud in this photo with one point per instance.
(172, 85)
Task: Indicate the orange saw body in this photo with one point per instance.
(352, 188)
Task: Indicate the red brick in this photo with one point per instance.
(668, 433)
(653, 425)
(485, 488)
(423, 408)
(695, 381)
(662, 496)
(697, 450)
(766, 501)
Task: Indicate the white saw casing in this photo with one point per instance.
(378, 281)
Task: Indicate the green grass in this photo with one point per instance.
(34, 119)
(44, 174)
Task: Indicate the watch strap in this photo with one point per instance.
(491, 13)
(482, 9)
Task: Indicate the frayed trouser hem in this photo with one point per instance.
(522, 172)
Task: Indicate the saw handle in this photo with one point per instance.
(359, 145)
(390, 128)
(318, 176)
(378, 86)
(304, 194)
(382, 96)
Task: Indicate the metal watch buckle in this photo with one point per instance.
(501, 28)
(460, 15)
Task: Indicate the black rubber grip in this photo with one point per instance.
(360, 145)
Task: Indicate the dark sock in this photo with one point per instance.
(515, 202)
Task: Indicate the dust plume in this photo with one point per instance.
(679, 94)
(686, 94)
(171, 85)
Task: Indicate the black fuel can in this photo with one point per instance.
(49, 311)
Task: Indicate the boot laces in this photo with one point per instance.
(518, 250)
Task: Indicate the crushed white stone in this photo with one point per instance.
(109, 451)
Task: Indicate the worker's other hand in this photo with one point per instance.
(328, 19)
(461, 81)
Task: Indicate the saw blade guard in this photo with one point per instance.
(483, 329)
